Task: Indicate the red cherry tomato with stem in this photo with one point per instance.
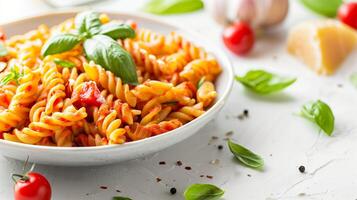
(32, 186)
(347, 14)
(239, 38)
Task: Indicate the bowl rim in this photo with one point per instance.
(214, 108)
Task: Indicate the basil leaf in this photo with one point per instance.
(321, 114)
(121, 198)
(245, 156)
(200, 82)
(172, 6)
(3, 50)
(107, 53)
(322, 7)
(64, 63)
(117, 31)
(203, 192)
(353, 79)
(263, 82)
(88, 23)
(60, 43)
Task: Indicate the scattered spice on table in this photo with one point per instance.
(162, 163)
(229, 133)
(103, 187)
(339, 85)
(117, 190)
(202, 176)
(302, 169)
(210, 177)
(220, 147)
(158, 179)
(243, 115)
(249, 175)
(173, 190)
(214, 162)
(188, 168)
(178, 163)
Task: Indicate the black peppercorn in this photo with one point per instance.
(220, 147)
(173, 191)
(302, 169)
(245, 112)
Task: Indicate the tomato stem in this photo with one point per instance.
(17, 177)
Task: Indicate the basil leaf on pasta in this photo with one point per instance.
(245, 156)
(107, 53)
(203, 192)
(60, 43)
(117, 31)
(321, 114)
(263, 82)
(64, 63)
(3, 50)
(121, 198)
(163, 7)
(88, 23)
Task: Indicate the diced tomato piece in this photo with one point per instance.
(89, 95)
(131, 23)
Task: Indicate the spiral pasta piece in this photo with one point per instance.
(199, 68)
(109, 82)
(206, 94)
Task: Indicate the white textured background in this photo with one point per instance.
(284, 140)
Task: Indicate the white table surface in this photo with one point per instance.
(284, 140)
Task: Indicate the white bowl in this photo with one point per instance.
(80, 156)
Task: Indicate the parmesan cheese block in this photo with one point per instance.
(322, 44)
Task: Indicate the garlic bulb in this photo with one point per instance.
(259, 13)
(263, 13)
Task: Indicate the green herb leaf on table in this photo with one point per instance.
(321, 114)
(64, 63)
(353, 79)
(117, 31)
(327, 8)
(263, 82)
(203, 192)
(60, 43)
(107, 53)
(245, 156)
(13, 75)
(88, 23)
(121, 198)
(163, 7)
(3, 50)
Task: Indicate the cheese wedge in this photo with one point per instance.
(322, 44)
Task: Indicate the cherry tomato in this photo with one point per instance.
(347, 14)
(89, 94)
(32, 186)
(2, 35)
(239, 38)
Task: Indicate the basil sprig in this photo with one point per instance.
(64, 63)
(321, 114)
(3, 50)
(60, 43)
(99, 45)
(163, 7)
(88, 23)
(321, 7)
(121, 198)
(106, 52)
(117, 31)
(245, 156)
(13, 75)
(263, 82)
(203, 192)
